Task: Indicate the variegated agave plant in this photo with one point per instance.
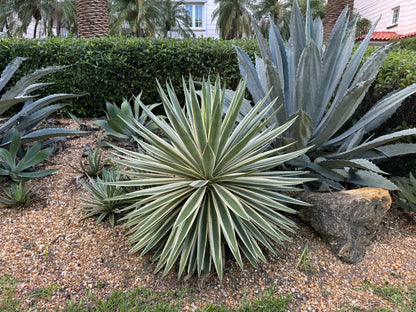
(211, 185)
(323, 84)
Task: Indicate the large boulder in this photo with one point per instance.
(347, 220)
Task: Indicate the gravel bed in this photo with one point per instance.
(49, 244)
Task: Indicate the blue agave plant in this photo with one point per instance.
(322, 85)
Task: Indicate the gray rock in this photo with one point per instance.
(87, 149)
(347, 220)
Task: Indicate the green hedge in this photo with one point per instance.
(408, 43)
(110, 69)
(398, 71)
(115, 68)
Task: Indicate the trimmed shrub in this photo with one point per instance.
(398, 71)
(408, 43)
(110, 69)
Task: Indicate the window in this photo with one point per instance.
(195, 12)
(64, 32)
(395, 16)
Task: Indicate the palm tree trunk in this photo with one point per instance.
(37, 16)
(333, 10)
(58, 17)
(58, 27)
(233, 33)
(50, 27)
(35, 30)
(92, 16)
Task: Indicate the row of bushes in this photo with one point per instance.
(115, 68)
(408, 43)
(398, 71)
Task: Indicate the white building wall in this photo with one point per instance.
(40, 32)
(409, 16)
(373, 9)
(209, 25)
(30, 30)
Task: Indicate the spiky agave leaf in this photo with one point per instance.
(211, 185)
(101, 202)
(18, 169)
(33, 112)
(18, 195)
(323, 86)
(94, 165)
(115, 127)
(407, 193)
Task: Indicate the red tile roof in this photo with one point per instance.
(408, 35)
(386, 36)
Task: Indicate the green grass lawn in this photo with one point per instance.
(139, 299)
(402, 296)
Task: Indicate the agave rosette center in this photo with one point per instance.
(210, 185)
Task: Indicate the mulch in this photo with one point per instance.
(48, 244)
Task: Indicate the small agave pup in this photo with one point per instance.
(210, 186)
(322, 85)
